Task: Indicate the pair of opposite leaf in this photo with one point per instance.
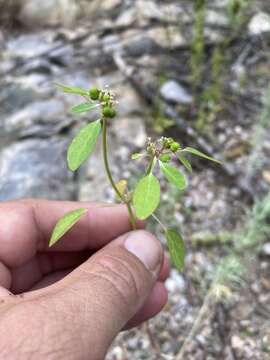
(146, 196)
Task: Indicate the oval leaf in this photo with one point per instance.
(146, 196)
(173, 175)
(73, 90)
(83, 107)
(176, 248)
(200, 154)
(65, 224)
(82, 145)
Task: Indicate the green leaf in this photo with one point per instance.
(185, 162)
(73, 90)
(82, 145)
(176, 248)
(83, 107)
(65, 224)
(173, 175)
(200, 154)
(136, 156)
(146, 196)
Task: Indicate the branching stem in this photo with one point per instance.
(109, 175)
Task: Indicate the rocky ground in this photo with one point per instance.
(130, 46)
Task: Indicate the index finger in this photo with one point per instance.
(26, 227)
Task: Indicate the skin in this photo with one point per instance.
(71, 300)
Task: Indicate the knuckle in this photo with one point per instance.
(122, 277)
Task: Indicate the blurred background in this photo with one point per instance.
(196, 70)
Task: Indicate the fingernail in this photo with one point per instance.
(146, 248)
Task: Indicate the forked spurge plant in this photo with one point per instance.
(145, 199)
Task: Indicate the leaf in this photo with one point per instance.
(200, 154)
(146, 196)
(185, 162)
(173, 175)
(176, 248)
(65, 224)
(83, 107)
(136, 156)
(73, 90)
(82, 145)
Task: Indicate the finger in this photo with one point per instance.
(26, 227)
(165, 270)
(100, 296)
(152, 306)
(5, 276)
(51, 279)
(24, 277)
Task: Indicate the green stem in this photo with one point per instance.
(159, 222)
(109, 175)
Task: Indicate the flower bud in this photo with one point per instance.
(168, 142)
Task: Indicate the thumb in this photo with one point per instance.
(80, 316)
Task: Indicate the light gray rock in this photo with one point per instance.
(126, 18)
(131, 131)
(48, 13)
(35, 168)
(42, 118)
(167, 38)
(30, 45)
(174, 92)
(259, 24)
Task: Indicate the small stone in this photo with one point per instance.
(176, 282)
(259, 24)
(126, 18)
(168, 38)
(174, 92)
(237, 343)
(266, 249)
(107, 5)
(48, 13)
(149, 10)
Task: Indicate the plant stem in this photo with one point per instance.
(159, 222)
(204, 312)
(109, 175)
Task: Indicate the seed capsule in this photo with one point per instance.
(94, 93)
(109, 112)
(175, 146)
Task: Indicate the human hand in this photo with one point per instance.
(71, 300)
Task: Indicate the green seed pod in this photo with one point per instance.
(109, 112)
(165, 158)
(175, 146)
(94, 93)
